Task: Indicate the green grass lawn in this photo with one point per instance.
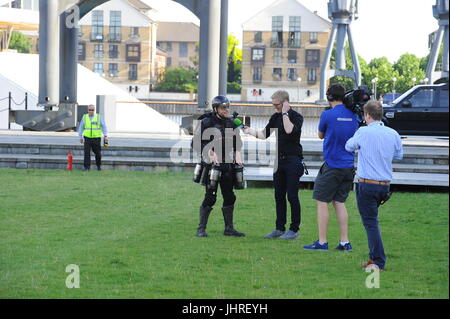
(132, 236)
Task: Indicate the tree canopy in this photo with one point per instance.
(20, 42)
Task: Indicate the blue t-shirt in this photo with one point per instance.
(338, 124)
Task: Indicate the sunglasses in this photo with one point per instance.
(277, 104)
(91, 110)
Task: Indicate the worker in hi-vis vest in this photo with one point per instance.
(92, 126)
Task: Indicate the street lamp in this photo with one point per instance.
(374, 87)
(394, 79)
(424, 81)
(299, 79)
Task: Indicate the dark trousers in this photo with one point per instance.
(226, 187)
(369, 197)
(285, 181)
(94, 144)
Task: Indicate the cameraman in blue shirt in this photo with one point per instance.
(335, 178)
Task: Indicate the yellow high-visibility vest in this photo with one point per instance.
(92, 129)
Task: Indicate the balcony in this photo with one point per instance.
(257, 79)
(132, 75)
(276, 44)
(97, 37)
(115, 37)
(134, 37)
(258, 62)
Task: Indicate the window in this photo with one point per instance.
(422, 98)
(133, 72)
(98, 51)
(443, 98)
(134, 32)
(113, 70)
(312, 76)
(292, 74)
(183, 50)
(292, 56)
(313, 37)
(312, 58)
(169, 46)
(97, 25)
(257, 75)
(277, 56)
(257, 56)
(133, 52)
(277, 74)
(169, 61)
(113, 51)
(114, 26)
(258, 36)
(98, 68)
(81, 51)
(277, 32)
(294, 32)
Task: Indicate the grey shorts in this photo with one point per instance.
(333, 184)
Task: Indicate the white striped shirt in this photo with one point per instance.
(377, 147)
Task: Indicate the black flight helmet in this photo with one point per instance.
(220, 100)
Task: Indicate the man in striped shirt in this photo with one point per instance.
(377, 147)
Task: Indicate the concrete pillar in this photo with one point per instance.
(68, 58)
(203, 57)
(49, 52)
(209, 52)
(223, 48)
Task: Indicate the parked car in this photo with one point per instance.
(388, 98)
(422, 110)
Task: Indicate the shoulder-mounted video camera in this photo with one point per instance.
(355, 99)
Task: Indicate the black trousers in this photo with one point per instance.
(94, 144)
(285, 181)
(226, 187)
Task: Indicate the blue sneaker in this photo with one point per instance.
(346, 247)
(316, 246)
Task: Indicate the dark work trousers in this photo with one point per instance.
(226, 187)
(94, 144)
(285, 181)
(369, 197)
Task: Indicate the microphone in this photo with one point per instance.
(238, 123)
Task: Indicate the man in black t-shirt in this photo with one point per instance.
(287, 124)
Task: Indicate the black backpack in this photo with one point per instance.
(197, 129)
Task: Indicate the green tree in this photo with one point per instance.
(177, 79)
(20, 42)
(409, 68)
(382, 69)
(234, 67)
